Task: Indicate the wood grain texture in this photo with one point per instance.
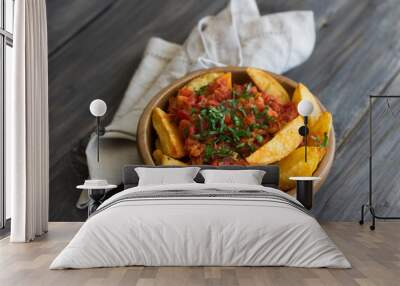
(67, 18)
(350, 172)
(375, 258)
(99, 45)
(98, 62)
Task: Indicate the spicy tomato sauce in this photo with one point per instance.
(222, 124)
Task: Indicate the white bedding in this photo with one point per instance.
(183, 231)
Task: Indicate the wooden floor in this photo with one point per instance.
(375, 257)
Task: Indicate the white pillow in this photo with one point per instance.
(248, 177)
(164, 176)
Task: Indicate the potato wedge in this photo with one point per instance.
(269, 85)
(228, 77)
(284, 142)
(302, 92)
(170, 140)
(294, 165)
(319, 132)
(168, 161)
(203, 80)
(157, 156)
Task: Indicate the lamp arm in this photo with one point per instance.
(98, 137)
(305, 137)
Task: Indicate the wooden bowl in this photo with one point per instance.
(146, 134)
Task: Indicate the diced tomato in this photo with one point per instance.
(248, 103)
(194, 147)
(212, 102)
(201, 101)
(215, 163)
(185, 102)
(266, 97)
(273, 104)
(288, 112)
(272, 113)
(221, 88)
(181, 101)
(273, 127)
(253, 90)
(250, 119)
(260, 103)
(183, 114)
(228, 119)
(186, 92)
(196, 150)
(222, 94)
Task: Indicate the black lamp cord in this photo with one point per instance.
(303, 131)
(98, 138)
(305, 138)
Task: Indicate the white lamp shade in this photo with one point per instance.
(98, 107)
(305, 107)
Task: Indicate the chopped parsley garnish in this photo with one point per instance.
(325, 140)
(259, 139)
(246, 92)
(244, 113)
(208, 152)
(241, 145)
(237, 121)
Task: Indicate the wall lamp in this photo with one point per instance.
(305, 109)
(98, 108)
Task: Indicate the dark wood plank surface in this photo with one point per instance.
(98, 62)
(95, 47)
(67, 18)
(348, 183)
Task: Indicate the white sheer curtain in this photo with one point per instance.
(27, 144)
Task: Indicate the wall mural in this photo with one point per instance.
(80, 71)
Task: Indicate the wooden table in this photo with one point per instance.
(96, 45)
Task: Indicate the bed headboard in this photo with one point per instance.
(271, 179)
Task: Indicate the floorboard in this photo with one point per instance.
(375, 258)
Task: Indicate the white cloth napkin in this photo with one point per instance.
(237, 36)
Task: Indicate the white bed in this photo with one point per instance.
(245, 225)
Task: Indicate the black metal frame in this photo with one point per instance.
(369, 205)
